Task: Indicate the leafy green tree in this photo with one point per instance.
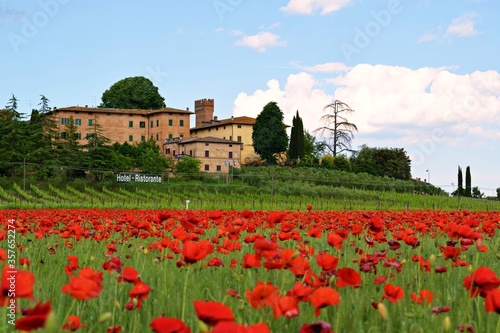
(187, 166)
(468, 183)
(154, 162)
(72, 151)
(338, 129)
(390, 162)
(44, 104)
(269, 133)
(341, 163)
(498, 193)
(133, 93)
(296, 149)
(476, 193)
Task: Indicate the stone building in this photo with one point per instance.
(233, 129)
(126, 125)
(216, 154)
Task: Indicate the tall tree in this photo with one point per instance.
(338, 129)
(72, 151)
(296, 149)
(99, 155)
(460, 189)
(269, 133)
(135, 92)
(44, 104)
(12, 107)
(468, 183)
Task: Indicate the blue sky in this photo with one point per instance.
(421, 75)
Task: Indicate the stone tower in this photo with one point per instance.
(204, 111)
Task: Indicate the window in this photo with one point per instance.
(78, 122)
(230, 154)
(167, 151)
(174, 152)
(170, 122)
(143, 138)
(230, 145)
(207, 167)
(89, 136)
(207, 153)
(130, 123)
(64, 135)
(130, 138)
(191, 153)
(239, 138)
(65, 121)
(170, 136)
(219, 168)
(157, 137)
(239, 126)
(90, 122)
(78, 136)
(230, 137)
(142, 124)
(181, 122)
(181, 136)
(206, 144)
(157, 122)
(151, 124)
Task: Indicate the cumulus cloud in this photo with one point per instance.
(309, 7)
(396, 104)
(261, 41)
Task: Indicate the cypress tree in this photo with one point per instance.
(460, 189)
(468, 183)
(297, 139)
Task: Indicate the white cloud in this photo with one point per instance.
(261, 41)
(329, 67)
(308, 7)
(400, 105)
(463, 26)
(460, 27)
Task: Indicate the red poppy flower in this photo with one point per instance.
(193, 252)
(335, 240)
(286, 306)
(140, 292)
(25, 262)
(130, 274)
(481, 281)
(114, 329)
(250, 260)
(326, 261)
(425, 296)
(72, 324)
(88, 284)
(348, 277)
(393, 293)
(492, 301)
(72, 266)
(300, 291)
(23, 281)
(34, 318)
(262, 295)
(319, 327)
(323, 297)
(227, 327)
(168, 325)
(212, 312)
(451, 252)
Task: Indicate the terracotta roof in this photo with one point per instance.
(208, 139)
(244, 120)
(121, 111)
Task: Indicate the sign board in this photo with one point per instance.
(138, 178)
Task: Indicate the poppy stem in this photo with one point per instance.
(186, 278)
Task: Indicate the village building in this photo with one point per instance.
(216, 154)
(125, 125)
(233, 129)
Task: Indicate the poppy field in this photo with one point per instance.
(304, 271)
